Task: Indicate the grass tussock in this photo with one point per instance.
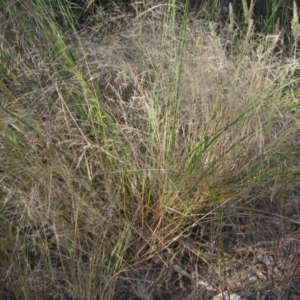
(148, 143)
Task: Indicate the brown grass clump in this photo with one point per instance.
(148, 158)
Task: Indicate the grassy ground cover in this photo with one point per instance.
(151, 155)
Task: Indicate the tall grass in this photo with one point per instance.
(115, 148)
